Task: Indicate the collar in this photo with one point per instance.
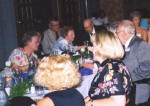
(128, 42)
(93, 32)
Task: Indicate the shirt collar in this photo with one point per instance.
(93, 32)
(128, 42)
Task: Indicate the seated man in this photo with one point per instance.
(137, 59)
(50, 36)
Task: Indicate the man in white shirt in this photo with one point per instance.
(50, 36)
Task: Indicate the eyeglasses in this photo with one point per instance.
(54, 25)
(117, 32)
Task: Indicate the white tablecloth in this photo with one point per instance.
(85, 85)
(36, 97)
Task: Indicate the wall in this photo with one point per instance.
(113, 9)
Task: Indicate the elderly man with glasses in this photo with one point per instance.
(50, 35)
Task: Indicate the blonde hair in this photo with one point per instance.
(107, 45)
(57, 72)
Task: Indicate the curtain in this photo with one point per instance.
(8, 38)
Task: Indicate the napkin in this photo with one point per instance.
(85, 71)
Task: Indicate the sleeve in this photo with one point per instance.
(18, 57)
(142, 71)
(72, 48)
(116, 83)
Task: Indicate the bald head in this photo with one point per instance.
(88, 25)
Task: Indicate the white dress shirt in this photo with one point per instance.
(127, 44)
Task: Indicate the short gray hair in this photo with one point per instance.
(128, 26)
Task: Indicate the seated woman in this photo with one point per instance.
(24, 58)
(59, 74)
(140, 32)
(64, 43)
(111, 85)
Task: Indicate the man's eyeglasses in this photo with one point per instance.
(54, 24)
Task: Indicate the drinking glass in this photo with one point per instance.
(39, 90)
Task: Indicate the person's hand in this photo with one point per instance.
(15, 66)
(90, 48)
(81, 47)
(20, 68)
(88, 65)
(87, 101)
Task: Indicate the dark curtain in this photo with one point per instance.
(8, 39)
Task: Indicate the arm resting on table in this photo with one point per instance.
(119, 100)
(45, 102)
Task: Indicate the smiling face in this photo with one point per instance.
(70, 36)
(34, 43)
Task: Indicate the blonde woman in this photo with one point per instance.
(111, 85)
(59, 74)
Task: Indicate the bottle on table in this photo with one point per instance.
(3, 94)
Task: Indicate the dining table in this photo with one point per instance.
(85, 84)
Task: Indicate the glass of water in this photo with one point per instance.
(39, 90)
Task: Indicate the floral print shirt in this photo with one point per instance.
(112, 79)
(18, 57)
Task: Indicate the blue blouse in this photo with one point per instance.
(61, 46)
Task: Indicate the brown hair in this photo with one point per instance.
(65, 30)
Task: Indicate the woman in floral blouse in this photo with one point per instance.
(23, 58)
(112, 84)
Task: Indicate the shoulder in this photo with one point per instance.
(45, 102)
(17, 51)
(140, 29)
(61, 40)
(141, 45)
(47, 31)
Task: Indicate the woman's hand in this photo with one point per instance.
(20, 68)
(88, 65)
(90, 48)
(79, 47)
(87, 101)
